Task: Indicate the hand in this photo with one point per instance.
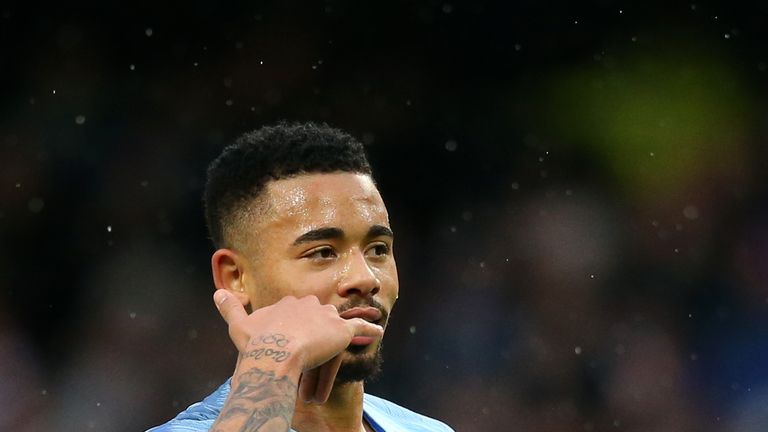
(311, 338)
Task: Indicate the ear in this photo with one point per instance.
(229, 273)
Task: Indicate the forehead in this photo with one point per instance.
(308, 201)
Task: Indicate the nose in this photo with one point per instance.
(359, 278)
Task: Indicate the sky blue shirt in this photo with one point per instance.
(382, 415)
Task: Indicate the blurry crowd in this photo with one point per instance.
(582, 242)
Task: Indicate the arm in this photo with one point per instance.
(281, 358)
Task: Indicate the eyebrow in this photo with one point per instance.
(380, 231)
(319, 234)
(337, 233)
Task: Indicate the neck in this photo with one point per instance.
(342, 412)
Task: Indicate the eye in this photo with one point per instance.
(321, 253)
(378, 250)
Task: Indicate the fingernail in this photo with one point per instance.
(219, 296)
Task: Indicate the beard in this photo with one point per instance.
(359, 366)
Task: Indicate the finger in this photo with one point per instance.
(326, 378)
(361, 327)
(229, 306)
(308, 384)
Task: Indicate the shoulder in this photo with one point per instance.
(386, 413)
(199, 416)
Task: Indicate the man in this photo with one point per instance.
(305, 279)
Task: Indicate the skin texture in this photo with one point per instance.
(321, 244)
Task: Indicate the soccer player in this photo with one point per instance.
(306, 279)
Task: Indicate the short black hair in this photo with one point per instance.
(242, 170)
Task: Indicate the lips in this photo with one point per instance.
(370, 314)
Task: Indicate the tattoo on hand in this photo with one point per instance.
(277, 339)
(277, 355)
(270, 339)
(261, 402)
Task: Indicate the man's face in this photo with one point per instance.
(326, 235)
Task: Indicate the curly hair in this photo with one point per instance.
(240, 173)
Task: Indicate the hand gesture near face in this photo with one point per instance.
(291, 340)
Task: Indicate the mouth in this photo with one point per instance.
(370, 314)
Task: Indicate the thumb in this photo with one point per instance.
(229, 306)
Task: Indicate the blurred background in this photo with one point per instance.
(578, 193)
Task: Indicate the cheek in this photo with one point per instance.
(389, 283)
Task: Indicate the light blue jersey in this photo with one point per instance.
(382, 415)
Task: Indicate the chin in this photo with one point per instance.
(360, 363)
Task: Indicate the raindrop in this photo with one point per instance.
(453, 229)
(408, 102)
(634, 38)
(132, 66)
(515, 185)
(261, 62)
(44, 392)
(518, 47)
(621, 11)
(144, 183)
(228, 102)
(109, 228)
(677, 250)
(591, 276)
(447, 8)
(195, 64)
(451, 145)
(577, 350)
(80, 119)
(18, 185)
(148, 31)
(98, 404)
(54, 92)
(132, 315)
(652, 154)
(412, 330)
(694, 356)
(727, 35)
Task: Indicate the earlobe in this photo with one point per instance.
(229, 273)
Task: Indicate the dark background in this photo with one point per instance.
(577, 191)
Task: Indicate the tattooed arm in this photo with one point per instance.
(263, 392)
